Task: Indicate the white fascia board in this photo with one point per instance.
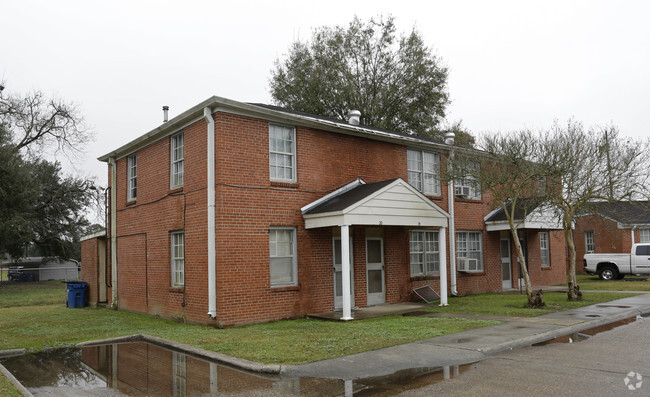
(492, 213)
(398, 181)
(220, 104)
(91, 236)
(335, 193)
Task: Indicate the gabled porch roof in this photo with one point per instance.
(389, 203)
(528, 215)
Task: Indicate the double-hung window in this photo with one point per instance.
(544, 250)
(132, 177)
(589, 242)
(468, 186)
(424, 171)
(644, 235)
(178, 258)
(469, 251)
(282, 153)
(425, 252)
(177, 161)
(282, 251)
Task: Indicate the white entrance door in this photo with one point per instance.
(506, 273)
(338, 274)
(375, 270)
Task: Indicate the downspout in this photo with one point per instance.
(113, 211)
(449, 140)
(212, 271)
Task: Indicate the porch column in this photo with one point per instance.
(442, 241)
(345, 272)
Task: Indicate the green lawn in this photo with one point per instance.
(588, 282)
(34, 316)
(32, 294)
(514, 304)
(7, 388)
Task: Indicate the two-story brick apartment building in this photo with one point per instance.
(234, 213)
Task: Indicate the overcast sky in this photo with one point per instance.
(512, 64)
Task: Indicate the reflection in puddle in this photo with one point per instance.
(587, 333)
(143, 369)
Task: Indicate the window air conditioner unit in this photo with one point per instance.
(463, 191)
(467, 264)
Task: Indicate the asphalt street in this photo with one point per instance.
(597, 366)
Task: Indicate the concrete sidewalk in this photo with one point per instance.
(474, 345)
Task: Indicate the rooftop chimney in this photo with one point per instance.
(353, 117)
(165, 111)
(450, 138)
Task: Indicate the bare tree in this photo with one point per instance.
(587, 166)
(509, 174)
(35, 122)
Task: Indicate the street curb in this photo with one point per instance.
(272, 369)
(12, 352)
(552, 334)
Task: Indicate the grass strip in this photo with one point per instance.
(499, 304)
(282, 342)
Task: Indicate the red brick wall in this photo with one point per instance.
(92, 251)
(247, 204)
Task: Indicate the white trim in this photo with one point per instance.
(463, 262)
(172, 161)
(422, 172)
(94, 235)
(540, 218)
(174, 259)
(546, 249)
(294, 256)
(386, 213)
(425, 270)
(220, 104)
(129, 177)
(293, 155)
(335, 193)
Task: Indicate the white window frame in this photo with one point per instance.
(424, 251)
(132, 177)
(177, 244)
(424, 171)
(541, 186)
(590, 248)
(177, 160)
(468, 258)
(179, 365)
(545, 249)
(468, 187)
(644, 235)
(278, 259)
(279, 156)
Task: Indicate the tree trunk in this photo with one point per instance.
(535, 299)
(574, 293)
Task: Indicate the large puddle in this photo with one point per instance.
(144, 369)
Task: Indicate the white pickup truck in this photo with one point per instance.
(616, 266)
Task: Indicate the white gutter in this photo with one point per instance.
(212, 271)
(113, 209)
(452, 229)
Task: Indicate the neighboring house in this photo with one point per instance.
(611, 228)
(38, 268)
(235, 213)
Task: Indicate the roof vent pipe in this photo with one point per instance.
(450, 138)
(354, 117)
(165, 113)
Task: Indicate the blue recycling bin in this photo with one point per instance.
(76, 293)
